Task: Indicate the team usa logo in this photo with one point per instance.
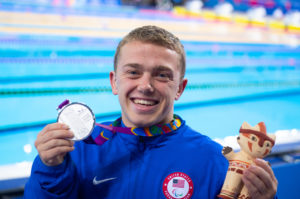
(178, 185)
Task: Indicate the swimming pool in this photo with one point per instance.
(236, 83)
(228, 83)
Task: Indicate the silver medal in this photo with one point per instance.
(79, 118)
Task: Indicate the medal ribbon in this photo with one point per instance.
(147, 131)
(116, 126)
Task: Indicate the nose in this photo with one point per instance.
(145, 85)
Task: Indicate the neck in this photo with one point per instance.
(128, 124)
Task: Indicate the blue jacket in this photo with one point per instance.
(180, 164)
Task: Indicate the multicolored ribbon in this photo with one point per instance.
(116, 126)
(148, 131)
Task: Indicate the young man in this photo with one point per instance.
(175, 162)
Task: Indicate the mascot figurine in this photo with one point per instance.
(254, 143)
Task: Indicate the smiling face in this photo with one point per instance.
(147, 81)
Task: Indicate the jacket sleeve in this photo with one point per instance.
(52, 182)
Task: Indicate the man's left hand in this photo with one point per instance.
(260, 180)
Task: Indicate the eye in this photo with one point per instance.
(163, 76)
(268, 144)
(253, 138)
(132, 73)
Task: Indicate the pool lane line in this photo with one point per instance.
(105, 75)
(41, 124)
(51, 78)
(91, 53)
(52, 91)
(179, 106)
(272, 83)
(24, 92)
(239, 99)
(61, 60)
(105, 43)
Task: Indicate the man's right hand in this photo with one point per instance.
(53, 143)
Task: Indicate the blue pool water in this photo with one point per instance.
(216, 120)
(228, 83)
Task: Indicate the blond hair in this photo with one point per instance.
(154, 35)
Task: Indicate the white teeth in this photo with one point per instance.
(144, 102)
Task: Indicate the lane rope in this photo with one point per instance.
(105, 89)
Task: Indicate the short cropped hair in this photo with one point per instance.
(154, 35)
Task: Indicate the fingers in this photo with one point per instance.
(55, 155)
(55, 126)
(54, 134)
(253, 182)
(53, 143)
(266, 166)
(54, 131)
(260, 180)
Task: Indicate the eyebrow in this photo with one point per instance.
(163, 68)
(133, 65)
(138, 66)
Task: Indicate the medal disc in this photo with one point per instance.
(79, 118)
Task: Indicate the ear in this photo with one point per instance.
(181, 88)
(245, 125)
(112, 78)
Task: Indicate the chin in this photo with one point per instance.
(143, 122)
